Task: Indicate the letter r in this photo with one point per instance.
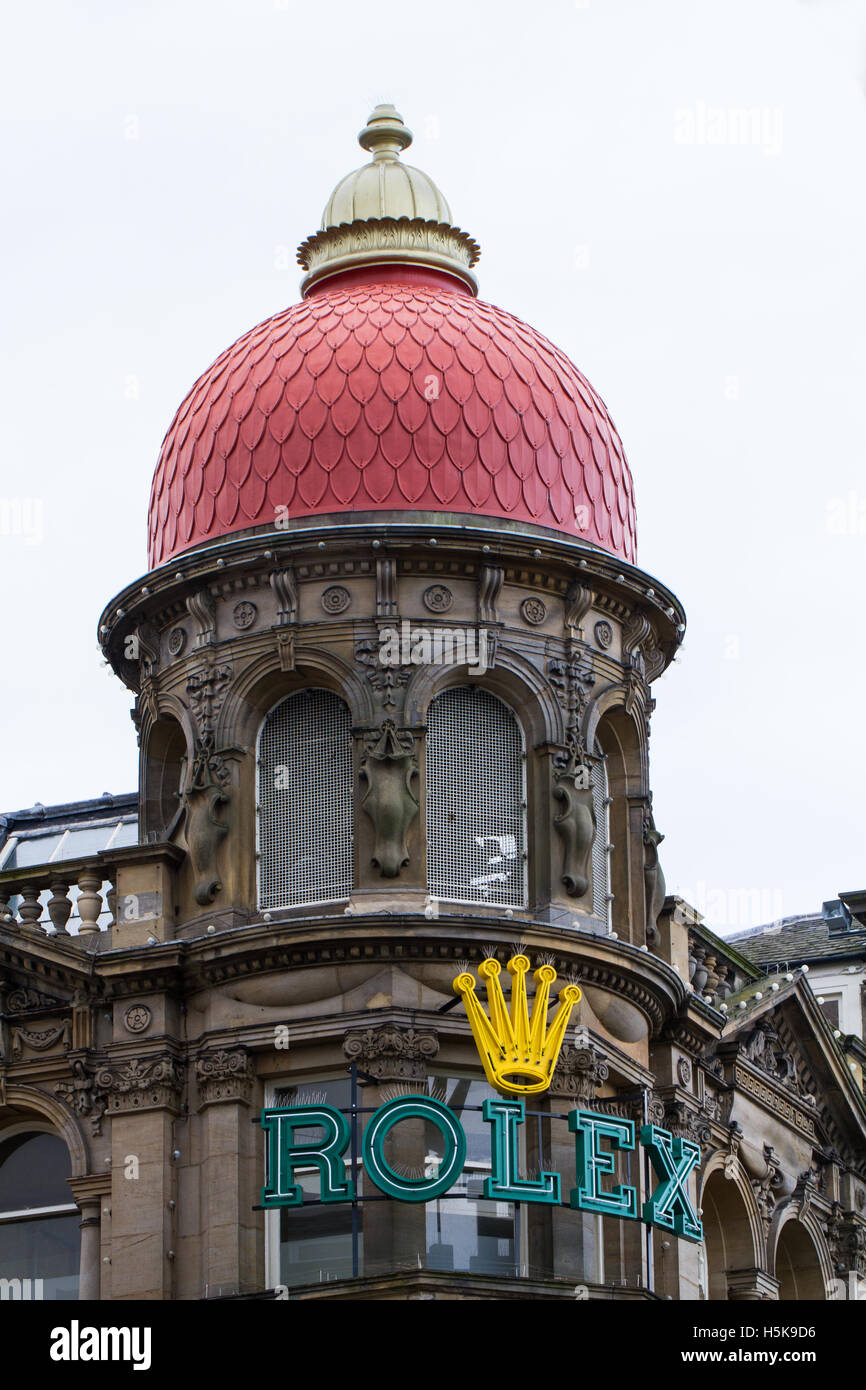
(326, 1154)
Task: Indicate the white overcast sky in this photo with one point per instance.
(161, 162)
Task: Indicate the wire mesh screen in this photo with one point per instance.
(305, 801)
(475, 800)
(600, 856)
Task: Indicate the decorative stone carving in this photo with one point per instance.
(578, 1074)
(385, 680)
(438, 598)
(766, 1182)
(204, 797)
(149, 1083)
(86, 1093)
(206, 791)
(687, 1122)
(533, 611)
(572, 680)
(244, 615)
(764, 1048)
(336, 599)
(575, 825)
(206, 689)
(654, 879)
(684, 1071)
(202, 609)
(285, 639)
(389, 801)
(148, 650)
(489, 585)
(176, 641)
(22, 1001)
(285, 587)
(392, 1054)
(386, 587)
(603, 634)
(224, 1075)
(578, 601)
(137, 1019)
(39, 1040)
(846, 1236)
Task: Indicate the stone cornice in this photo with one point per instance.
(246, 562)
(184, 966)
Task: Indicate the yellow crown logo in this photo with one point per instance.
(519, 1053)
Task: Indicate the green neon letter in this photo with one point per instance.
(673, 1160)
(503, 1183)
(396, 1184)
(593, 1162)
(326, 1154)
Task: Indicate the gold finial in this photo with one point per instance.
(385, 135)
(387, 213)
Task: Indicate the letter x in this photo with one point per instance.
(673, 1160)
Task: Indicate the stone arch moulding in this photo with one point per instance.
(264, 683)
(514, 680)
(783, 1216)
(732, 1170)
(61, 1120)
(167, 744)
(629, 730)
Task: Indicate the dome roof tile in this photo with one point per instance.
(390, 396)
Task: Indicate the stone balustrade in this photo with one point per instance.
(129, 891)
(37, 898)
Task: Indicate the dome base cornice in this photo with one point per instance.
(386, 242)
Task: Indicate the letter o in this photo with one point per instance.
(412, 1108)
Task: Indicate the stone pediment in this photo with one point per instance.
(782, 1053)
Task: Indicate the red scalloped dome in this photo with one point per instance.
(392, 397)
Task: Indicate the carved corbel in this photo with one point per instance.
(578, 602)
(654, 879)
(388, 770)
(576, 827)
(579, 1073)
(386, 587)
(634, 634)
(205, 797)
(489, 585)
(285, 587)
(390, 1053)
(201, 607)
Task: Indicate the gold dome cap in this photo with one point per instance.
(387, 212)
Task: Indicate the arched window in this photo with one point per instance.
(305, 801)
(39, 1222)
(476, 802)
(600, 850)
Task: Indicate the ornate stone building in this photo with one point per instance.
(392, 666)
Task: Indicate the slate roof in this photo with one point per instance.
(798, 939)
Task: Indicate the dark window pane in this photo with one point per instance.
(45, 1248)
(33, 1169)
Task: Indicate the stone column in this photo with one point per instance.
(143, 1101)
(395, 1233)
(574, 1234)
(89, 1192)
(225, 1084)
(751, 1286)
